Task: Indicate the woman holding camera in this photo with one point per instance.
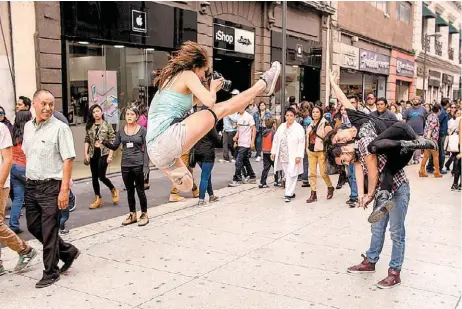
(97, 155)
(170, 132)
(134, 163)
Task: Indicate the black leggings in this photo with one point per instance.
(388, 143)
(98, 167)
(456, 169)
(133, 178)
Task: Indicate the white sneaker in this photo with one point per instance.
(258, 159)
(221, 161)
(233, 161)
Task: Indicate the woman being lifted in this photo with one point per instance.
(170, 132)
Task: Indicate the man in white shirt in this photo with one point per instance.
(245, 138)
(7, 236)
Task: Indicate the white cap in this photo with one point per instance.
(235, 92)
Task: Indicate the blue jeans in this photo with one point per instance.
(206, 179)
(352, 180)
(258, 143)
(64, 213)
(18, 182)
(397, 230)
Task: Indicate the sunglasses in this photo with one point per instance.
(2, 114)
(370, 98)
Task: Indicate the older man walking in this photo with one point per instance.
(49, 148)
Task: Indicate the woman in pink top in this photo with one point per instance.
(142, 121)
(18, 169)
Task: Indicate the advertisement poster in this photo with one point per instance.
(102, 90)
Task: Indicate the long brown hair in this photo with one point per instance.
(190, 56)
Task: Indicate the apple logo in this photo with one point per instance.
(139, 21)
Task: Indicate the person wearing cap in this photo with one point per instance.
(229, 131)
(370, 104)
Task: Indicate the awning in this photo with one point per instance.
(440, 21)
(453, 29)
(426, 13)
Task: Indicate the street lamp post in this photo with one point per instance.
(426, 43)
(284, 55)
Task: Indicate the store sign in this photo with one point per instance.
(350, 56)
(404, 67)
(139, 21)
(434, 78)
(234, 39)
(373, 62)
(448, 79)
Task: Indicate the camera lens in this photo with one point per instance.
(226, 85)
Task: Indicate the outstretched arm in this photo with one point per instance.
(338, 92)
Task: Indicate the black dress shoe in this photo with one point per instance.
(18, 231)
(68, 264)
(44, 282)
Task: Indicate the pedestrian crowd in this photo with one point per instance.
(355, 141)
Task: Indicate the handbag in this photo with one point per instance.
(452, 142)
(332, 169)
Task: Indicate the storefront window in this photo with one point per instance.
(292, 85)
(402, 91)
(110, 76)
(351, 82)
(370, 84)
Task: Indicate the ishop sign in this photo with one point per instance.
(234, 39)
(139, 22)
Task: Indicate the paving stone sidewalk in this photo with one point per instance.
(251, 250)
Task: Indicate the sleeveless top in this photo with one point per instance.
(166, 106)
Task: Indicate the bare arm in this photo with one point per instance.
(339, 93)
(207, 97)
(254, 133)
(63, 197)
(372, 174)
(359, 174)
(6, 166)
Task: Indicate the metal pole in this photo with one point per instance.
(424, 67)
(284, 54)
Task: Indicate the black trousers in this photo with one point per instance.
(228, 145)
(42, 215)
(133, 178)
(98, 167)
(243, 160)
(388, 143)
(267, 164)
(457, 171)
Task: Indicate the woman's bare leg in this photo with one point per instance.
(200, 123)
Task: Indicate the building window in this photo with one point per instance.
(403, 12)
(381, 5)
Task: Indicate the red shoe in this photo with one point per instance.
(364, 267)
(391, 281)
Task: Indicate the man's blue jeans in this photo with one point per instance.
(258, 142)
(64, 213)
(397, 230)
(18, 182)
(352, 180)
(206, 179)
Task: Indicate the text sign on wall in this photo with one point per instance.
(374, 62)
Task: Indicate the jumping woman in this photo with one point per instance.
(180, 83)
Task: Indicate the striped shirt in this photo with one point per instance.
(46, 146)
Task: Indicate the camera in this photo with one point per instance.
(226, 83)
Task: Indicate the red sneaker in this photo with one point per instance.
(391, 281)
(364, 267)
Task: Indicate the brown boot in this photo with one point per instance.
(115, 196)
(130, 219)
(364, 267)
(393, 279)
(330, 192)
(175, 198)
(144, 219)
(195, 193)
(313, 197)
(423, 173)
(437, 174)
(97, 203)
